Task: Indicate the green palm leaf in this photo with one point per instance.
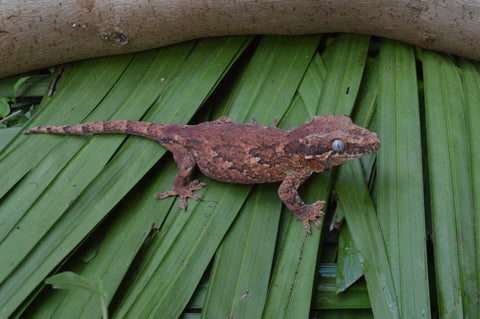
(85, 204)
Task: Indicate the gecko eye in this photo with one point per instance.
(338, 145)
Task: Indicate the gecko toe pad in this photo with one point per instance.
(184, 193)
(311, 213)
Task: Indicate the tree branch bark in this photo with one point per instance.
(40, 33)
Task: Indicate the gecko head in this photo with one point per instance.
(332, 140)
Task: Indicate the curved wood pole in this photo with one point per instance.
(40, 33)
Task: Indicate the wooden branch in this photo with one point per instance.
(40, 33)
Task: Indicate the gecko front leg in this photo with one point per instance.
(186, 163)
(288, 193)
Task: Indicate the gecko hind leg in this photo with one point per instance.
(181, 187)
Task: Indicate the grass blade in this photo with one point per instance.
(400, 204)
(471, 86)
(450, 188)
(84, 96)
(345, 64)
(241, 271)
(355, 201)
(115, 243)
(7, 134)
(349, 267)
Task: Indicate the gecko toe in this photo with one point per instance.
(165, 195)
(195, 185)
(306, 225)
(319, 206)
(184, 193)
(183, 202)
(311, 213)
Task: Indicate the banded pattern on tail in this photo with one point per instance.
(122, 126)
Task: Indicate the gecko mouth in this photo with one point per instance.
(356, 150)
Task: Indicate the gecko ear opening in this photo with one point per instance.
(315, 147)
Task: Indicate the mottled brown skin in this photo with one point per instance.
(247, 153)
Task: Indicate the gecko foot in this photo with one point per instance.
(184, 193)
(310, 214)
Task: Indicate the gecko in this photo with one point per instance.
(247, 153)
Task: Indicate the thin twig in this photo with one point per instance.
(10, 116)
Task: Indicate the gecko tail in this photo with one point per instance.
(144, 129)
